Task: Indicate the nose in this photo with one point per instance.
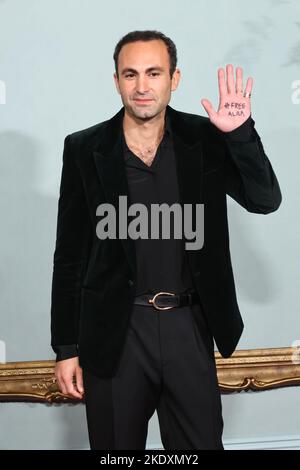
(142, 84)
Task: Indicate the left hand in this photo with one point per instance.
(234, 108)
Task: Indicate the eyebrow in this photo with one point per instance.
(150, 69)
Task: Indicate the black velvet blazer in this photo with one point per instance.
(93, 284)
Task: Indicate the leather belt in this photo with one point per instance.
(166, 300)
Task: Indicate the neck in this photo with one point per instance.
(142, 133)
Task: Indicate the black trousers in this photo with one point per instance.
(167, 365)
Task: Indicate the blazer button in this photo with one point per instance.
(130, 282)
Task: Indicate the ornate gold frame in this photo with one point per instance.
(246, 369)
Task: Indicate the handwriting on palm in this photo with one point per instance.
(234, 106)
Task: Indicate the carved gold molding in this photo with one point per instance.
(258, 369)
(246, 369)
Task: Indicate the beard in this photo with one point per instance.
(143, 112)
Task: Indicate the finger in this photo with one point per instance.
(239, 80)
(208, 108)
(249, 85)
(71, 390)
(79, 380)
(230, 78)
(222, 84)
(61, 385)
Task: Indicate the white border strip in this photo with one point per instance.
(264, 443)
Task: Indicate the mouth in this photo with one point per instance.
(143, 100)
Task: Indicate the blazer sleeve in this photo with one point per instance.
(73, 234)
(65, 351)
(250, 178)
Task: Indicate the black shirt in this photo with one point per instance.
(161, 262)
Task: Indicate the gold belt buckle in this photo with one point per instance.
(152, 301)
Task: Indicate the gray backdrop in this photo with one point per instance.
(56, 72)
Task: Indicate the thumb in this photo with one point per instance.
(208, 108)
(79, 380)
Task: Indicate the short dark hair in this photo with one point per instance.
(147, 35)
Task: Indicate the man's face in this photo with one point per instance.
(144, 81)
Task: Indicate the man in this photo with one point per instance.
(133, 319)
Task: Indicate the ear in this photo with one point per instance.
(175, 79)
(117, 83)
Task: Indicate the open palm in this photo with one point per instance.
(234, 102)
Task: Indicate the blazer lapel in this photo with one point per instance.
(188, 149)
(189, 158)
(108, 157)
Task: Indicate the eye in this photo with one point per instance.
(129, 75)
(154, 73)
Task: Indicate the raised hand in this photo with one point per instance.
(234, 102)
